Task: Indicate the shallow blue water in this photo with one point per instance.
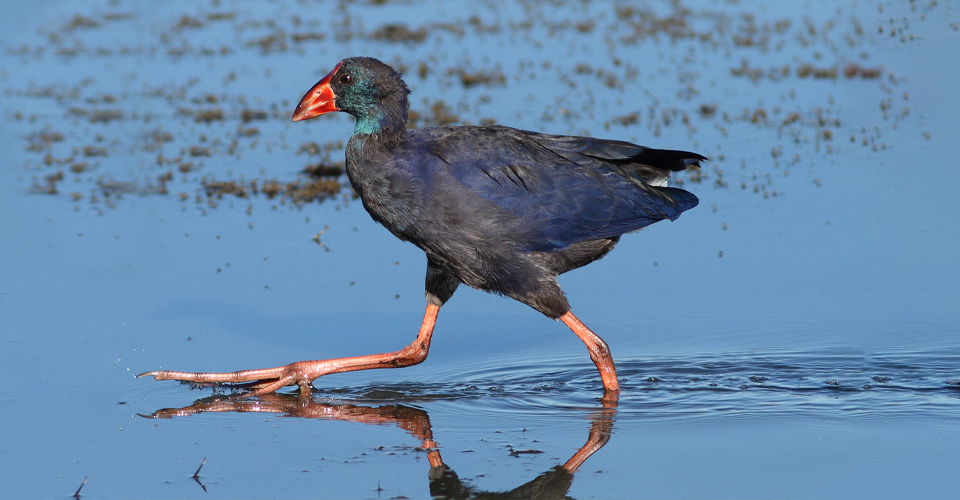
(795, 336)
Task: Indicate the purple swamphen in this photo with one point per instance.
(500, 209)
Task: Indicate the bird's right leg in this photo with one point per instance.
(599, 352)
(303, 373)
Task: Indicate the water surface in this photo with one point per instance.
(794, 336)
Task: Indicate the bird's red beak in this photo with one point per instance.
(318, 101)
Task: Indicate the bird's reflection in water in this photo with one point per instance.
(444, 482)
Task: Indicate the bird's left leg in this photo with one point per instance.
(302, 373)
(599, 352)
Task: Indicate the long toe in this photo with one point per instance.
(234, 378)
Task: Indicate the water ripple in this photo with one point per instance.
(824, 383)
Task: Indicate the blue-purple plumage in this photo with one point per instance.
(500, 209)
(568, 189)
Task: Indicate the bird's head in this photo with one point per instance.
(362, 86)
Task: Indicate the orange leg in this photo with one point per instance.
(599, 352)
(302, 373)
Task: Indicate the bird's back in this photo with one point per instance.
(562, 189)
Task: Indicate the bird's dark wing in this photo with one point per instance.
(652, 165)
(563, 189)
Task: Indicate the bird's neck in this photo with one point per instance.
(385, 123)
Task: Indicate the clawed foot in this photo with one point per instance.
(258, 382)
(303, 373)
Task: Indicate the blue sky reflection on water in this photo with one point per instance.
(796, 335)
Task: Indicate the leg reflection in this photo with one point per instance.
(444, 482)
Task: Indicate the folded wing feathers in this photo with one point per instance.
(652, 165)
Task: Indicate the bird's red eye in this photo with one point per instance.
(346, 79)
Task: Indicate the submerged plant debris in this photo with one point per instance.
(216, 126)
